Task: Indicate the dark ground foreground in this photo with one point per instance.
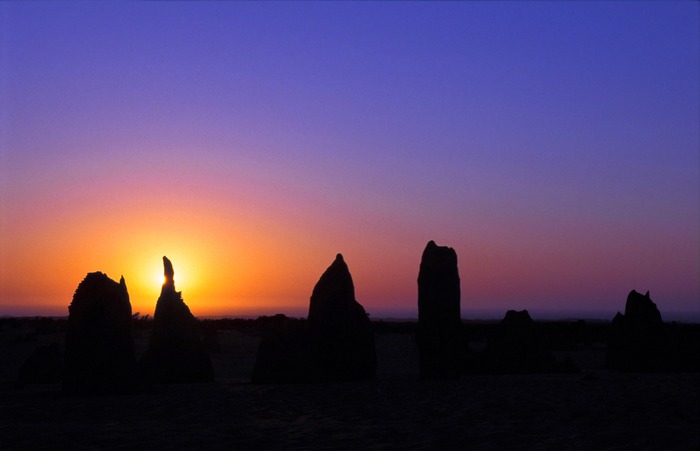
(481, 412)
(596, 409)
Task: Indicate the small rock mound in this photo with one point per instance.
(283, 355)
(518, 347)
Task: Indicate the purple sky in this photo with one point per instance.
(554, 145)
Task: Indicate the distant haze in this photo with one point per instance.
(553, 145)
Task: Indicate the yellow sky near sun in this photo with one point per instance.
(223, 263)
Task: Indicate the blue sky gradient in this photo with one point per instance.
(554, 145)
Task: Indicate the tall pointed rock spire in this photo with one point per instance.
(175, 352)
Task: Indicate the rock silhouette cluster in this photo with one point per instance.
(439, 334)
(336, 343)
(99, 352)
(175, 351)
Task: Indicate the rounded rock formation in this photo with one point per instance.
(99, 351)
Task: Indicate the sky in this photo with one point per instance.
(553, 145)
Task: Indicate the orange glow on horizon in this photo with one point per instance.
(243, 262)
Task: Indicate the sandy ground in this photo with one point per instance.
(597, 409)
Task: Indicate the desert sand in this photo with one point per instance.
(594, 409)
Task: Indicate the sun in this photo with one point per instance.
(159, 278)
(145, 278)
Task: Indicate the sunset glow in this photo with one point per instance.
(554, 146)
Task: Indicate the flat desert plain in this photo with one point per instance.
(594, 409)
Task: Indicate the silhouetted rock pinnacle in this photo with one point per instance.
(637, 337)
(99, 352)
(175, 352)
(340, 332)
(335, 344)
(334, 292)
(642, 309)
(439, 332)
(169, 274)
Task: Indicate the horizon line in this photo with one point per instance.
(690, 317)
